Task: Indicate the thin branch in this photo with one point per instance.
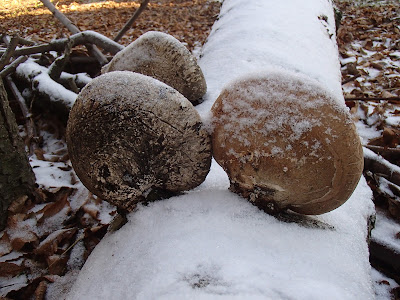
(373, 99)
(350, 79)
(58, 65)
(378, 165)
(13, 66)
(74, 29)
(30, 125)
(6, 57)
(383, 150)
(60, 16)
(80, 38)
(128, 24)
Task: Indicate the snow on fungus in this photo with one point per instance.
(132, 138)
(163, 57)
(286, 143)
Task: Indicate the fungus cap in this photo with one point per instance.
(132, 138)
(163, 57)
(286, 143)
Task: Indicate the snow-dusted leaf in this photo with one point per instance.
(9, 269)
(5, 244)
(49, 246)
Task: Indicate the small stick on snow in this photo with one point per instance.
(58, 65)
(396, 99)
(378, 165)
(383, 150)
(13, 66)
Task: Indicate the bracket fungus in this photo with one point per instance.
(132, 138)
(286, 143)
(163, 57)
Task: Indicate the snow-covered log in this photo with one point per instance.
(213, 244)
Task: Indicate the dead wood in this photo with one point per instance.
(384, 151)
(80, 38)
(13, 66)
(394, 99)
(74, 29)
(8, 54)
(128, 24)
(58, 65)
(378, 165)
(29, 124)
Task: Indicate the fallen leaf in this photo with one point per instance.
(8, 269)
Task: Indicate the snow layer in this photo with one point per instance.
(298, 36)
(211, 244)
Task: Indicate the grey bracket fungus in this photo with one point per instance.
(132, 138)
(163, 57)
(285, 143)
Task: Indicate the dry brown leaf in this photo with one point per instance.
(54, 208)
(5, 244)
(50, 245)
(8, 269)
(18, 205)
(92, 211)
(57, 264)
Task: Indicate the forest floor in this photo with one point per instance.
(43, 261)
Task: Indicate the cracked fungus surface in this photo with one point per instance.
(132, 138)
(283, 140)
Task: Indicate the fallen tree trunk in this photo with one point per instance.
(210, 243)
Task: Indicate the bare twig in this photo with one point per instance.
(58, 65)
(350, 79)
(395, 99)
(379, 165)
(5, 58)
(383, 150)
(80, 38)
(30, 125)
(128, 24)
(13, 66)
(71, 27)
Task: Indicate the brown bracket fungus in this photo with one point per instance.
(286, 143)
(132, 138)
(163, 57)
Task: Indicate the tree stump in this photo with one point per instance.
(16, 176)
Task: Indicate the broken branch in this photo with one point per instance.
(74, 29)
(378, 165)
(373, 99)
(13, 66)
(80, 38)
(30, 125)
(128, 24)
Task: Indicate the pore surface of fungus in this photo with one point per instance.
(286, 143)
(132, 138)
(163, 57)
